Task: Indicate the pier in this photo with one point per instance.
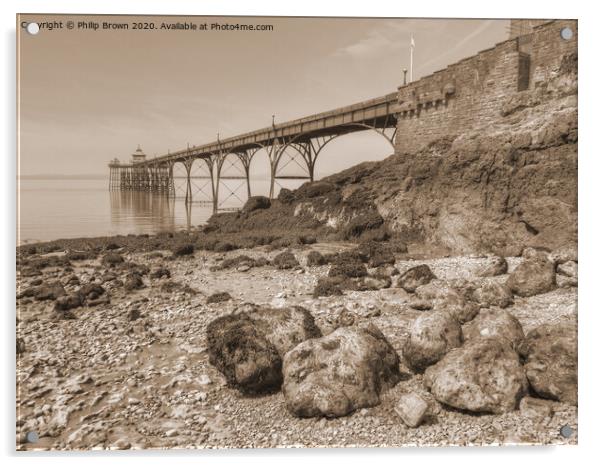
(298, 141)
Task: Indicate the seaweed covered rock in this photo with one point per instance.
(533, 276)
(160, 272)
(550, 353)
(112, 259)
(91, 291)
(348, 270)
(339, 373)
(484, 375)
(240, 261)
(315, 258)
(182, 250)
(218, 297)
(326, 287)
(285, 260)
(415, 277)
(361, 224)
(258, 202)
(247, 346)
(495, 322)
(51, 290)
(69, 302)
(133, 281)
(432, 335)
(377, 253)
(243, 355)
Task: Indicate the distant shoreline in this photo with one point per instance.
(43, 177)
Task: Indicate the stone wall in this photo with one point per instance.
(471, 93)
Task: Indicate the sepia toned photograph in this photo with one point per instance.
(295, 232)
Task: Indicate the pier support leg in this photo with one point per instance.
(171, 186)
(188, 166)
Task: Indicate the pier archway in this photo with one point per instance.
(180, 176)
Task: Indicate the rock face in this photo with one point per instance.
(339, 373)
(484, 375)
(532, 277)
(493, 294)
(495, 322)
(247, 347)
(415, 277)
(432, 335)
(550, 353)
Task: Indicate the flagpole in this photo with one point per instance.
(412, 58)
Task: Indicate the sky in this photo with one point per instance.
(87, 96)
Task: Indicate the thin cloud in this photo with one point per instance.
(377, 42)
(439, 59)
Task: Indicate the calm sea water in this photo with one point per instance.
(55, 209)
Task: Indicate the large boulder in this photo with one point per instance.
(531, 277)
(493, 266)
(454, 297)
(339, 373)
(415, 277)
(243, 355)
(432, 335)
(493, 294)
(457, 306)
(284, 327)
(495, 322)
(248, 346)
(484, 375)
(550, 354)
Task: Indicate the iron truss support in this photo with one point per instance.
(295, 152)
(232, 166)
